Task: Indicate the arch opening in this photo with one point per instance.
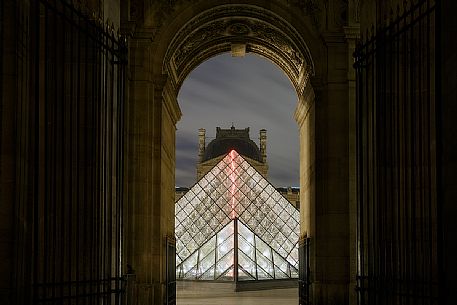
(254, 30)
(225, 28)
(214, 31)
(221, 105)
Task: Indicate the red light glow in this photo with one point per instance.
(233, 187)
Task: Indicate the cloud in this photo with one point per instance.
(250, 92)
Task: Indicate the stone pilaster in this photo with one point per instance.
(146, 224)
(304, 116)
(330, 240)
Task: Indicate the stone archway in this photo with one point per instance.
(239, 28)
(164, 50)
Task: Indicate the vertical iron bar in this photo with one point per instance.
(366, 198)
(78, 157)
(2, 30)
(397, 168)
(36, 211)
(420, 163)
(371, 199)
(87, 171)
(98, 169)
(63, 129)
(392, 196)
(43, 235)
(69, 238)
(413, 102)
(94, 187)
(436, 132)
(380, 130)
(55, 160)
(357, 64)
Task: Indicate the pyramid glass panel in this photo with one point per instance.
(232, 223)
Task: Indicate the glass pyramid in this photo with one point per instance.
(234, 224)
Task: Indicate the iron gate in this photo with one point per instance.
(304, 271)
(171, 271)
(77, 94)
(396, 155)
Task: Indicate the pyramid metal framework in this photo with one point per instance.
(234, 225)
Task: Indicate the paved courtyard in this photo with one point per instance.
(223, 296)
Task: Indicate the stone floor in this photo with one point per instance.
(198, 295)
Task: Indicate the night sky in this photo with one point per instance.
(249, 92)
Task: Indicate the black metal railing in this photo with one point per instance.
(2, 29)
(171, 271)
(304, 281)
(396, 159)
(78, 81)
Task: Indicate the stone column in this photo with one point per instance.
(304, 116)
(142, 217)
(330, 238)
(152, 116)
(170, 115)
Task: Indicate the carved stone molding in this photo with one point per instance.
(263, 32)
(203, 35)
(305, 102)
(247, 30)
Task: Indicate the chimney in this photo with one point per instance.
(201, 144)
(263, 145)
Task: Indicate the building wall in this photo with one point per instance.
(291, 194)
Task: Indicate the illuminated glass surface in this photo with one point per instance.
(235, 217)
